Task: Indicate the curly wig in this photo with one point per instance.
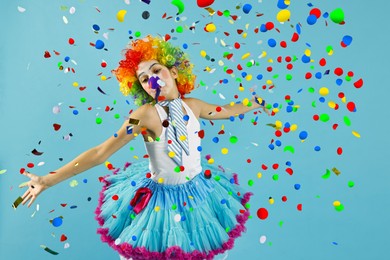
(152, 48)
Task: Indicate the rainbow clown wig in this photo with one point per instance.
(152, 48)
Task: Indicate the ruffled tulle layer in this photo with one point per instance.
(194, 220)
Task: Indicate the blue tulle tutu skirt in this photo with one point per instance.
(195, 220)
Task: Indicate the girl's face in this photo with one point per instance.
(147, 69)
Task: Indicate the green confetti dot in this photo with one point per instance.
(288, 77)
(227, 229)
(339, 207)
(313, 104)
(280, 223)
(289, 148)
(250, 182)
(217, 177)
(177, 169)
(226, 13)
(99, 120)
(174, 207)
(202, 83)
(114, 102)
(351, 184)
(191, 209)
(249, 64)
(324, 117)
(348, 78)
(83, 99)
(275, 177)
(275, 76)
(347, 121)
(337, 15)
(137, 34)
(157, 138)
(329, 48)
(326, 175)
(247, 205)
(133, 216)
(230, 193)
(233, 139)
(117, 116)
(131, 148)
(179, 29)
(214, 91)
(250, 216)
(311, 90)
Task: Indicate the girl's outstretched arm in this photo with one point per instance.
(139, 120)
(211, 111)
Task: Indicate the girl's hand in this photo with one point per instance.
(36, 185)
(266, 111)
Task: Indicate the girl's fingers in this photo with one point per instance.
(26, 199)
(25, 194)
(31, 202)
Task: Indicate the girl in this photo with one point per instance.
(177, 205)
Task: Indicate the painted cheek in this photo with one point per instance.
(165, 74)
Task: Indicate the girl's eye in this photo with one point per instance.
(144, 80)
(157, 71)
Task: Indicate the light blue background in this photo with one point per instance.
(30, 86)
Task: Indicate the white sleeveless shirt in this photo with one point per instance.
(161, 166)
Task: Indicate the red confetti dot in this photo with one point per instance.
(284, 198)
(269, 69)
(283, 44)
(148, 175)
(109, 166)
(115, 197)
(103, 64)
(287, 97)
(169, 141)
(358, 84)
(316, 117)
(287, 59)
(279, 59)
(229, 71)
(338, 71)
(316, 12)
(351, 107)
(239, 67)
(308, 75)
(341, 95)
(262, 213)
(218, 109)
(71, 41)
(269, 25)
(289, 66)
(278, 133)
(289, 171)
(295, 37)
(323, 62)
(335, 126)
(182, 168)
(339, 151)
(275, 166)
(299, 207)
(22, 170)
(264, 167)
(235, 96)
(184, 203)
(30, 165)
(237, 45)
(207, 174)
(248, 160)
(350, 74)
(286, 129)
(201, 134)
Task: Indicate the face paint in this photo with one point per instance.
(156, 83)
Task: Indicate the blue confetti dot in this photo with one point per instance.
(263, 28)
(199, 148)
(134, 238)
(223, 201)
(247, 8)
(115, 135)
(231, 118)
(133, 183)
(298, 28)
(67, 58)
(287, 125)
(288, 163)
(57, 222)
(278, 143)
(96, 27)
(259, 77)
(232, 180)
(271, 146)
(75, 112)
(305, 59)
(186, 117)
(272, 43)
(85, 180)
(241, 116)
(325, 15)
(339, 82)
(297, 186)
(243, 74)
(89, 199)
(317, 148)
(73, 207)
(185, 46)
(318, 75)
(281, 4)
(215, 139)
(322, 99)
(303, 135)
(183, 218)
(311, 19)
(99, 44)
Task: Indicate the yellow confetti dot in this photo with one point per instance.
(245, 102)
(231, 103)
(307, 52)
(182, 138)
(211, 27)
(73, 183)
(241, 88)
(271, 201)
(249, 77)
(75, 84)
(157, 208)
(330, 53)
(323, 91)
(269, 82)
(103, 77)
(210, 161)
(278, 124)
(270, 61)
(120, 16)
(336, 203)
(275, 110)
(246, 55)
(244, 35)
(190, 197)
(231, 21)
(135, 157)
(293, 127)
(224, 151)
(160, 180)
(203, 53)
(220, 63)
(283, 15)
(356, 134)
(344, 100)
(171, 154)
(332, 104)
(263, 54)
(259, 175)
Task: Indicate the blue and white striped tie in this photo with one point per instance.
(177, 130)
